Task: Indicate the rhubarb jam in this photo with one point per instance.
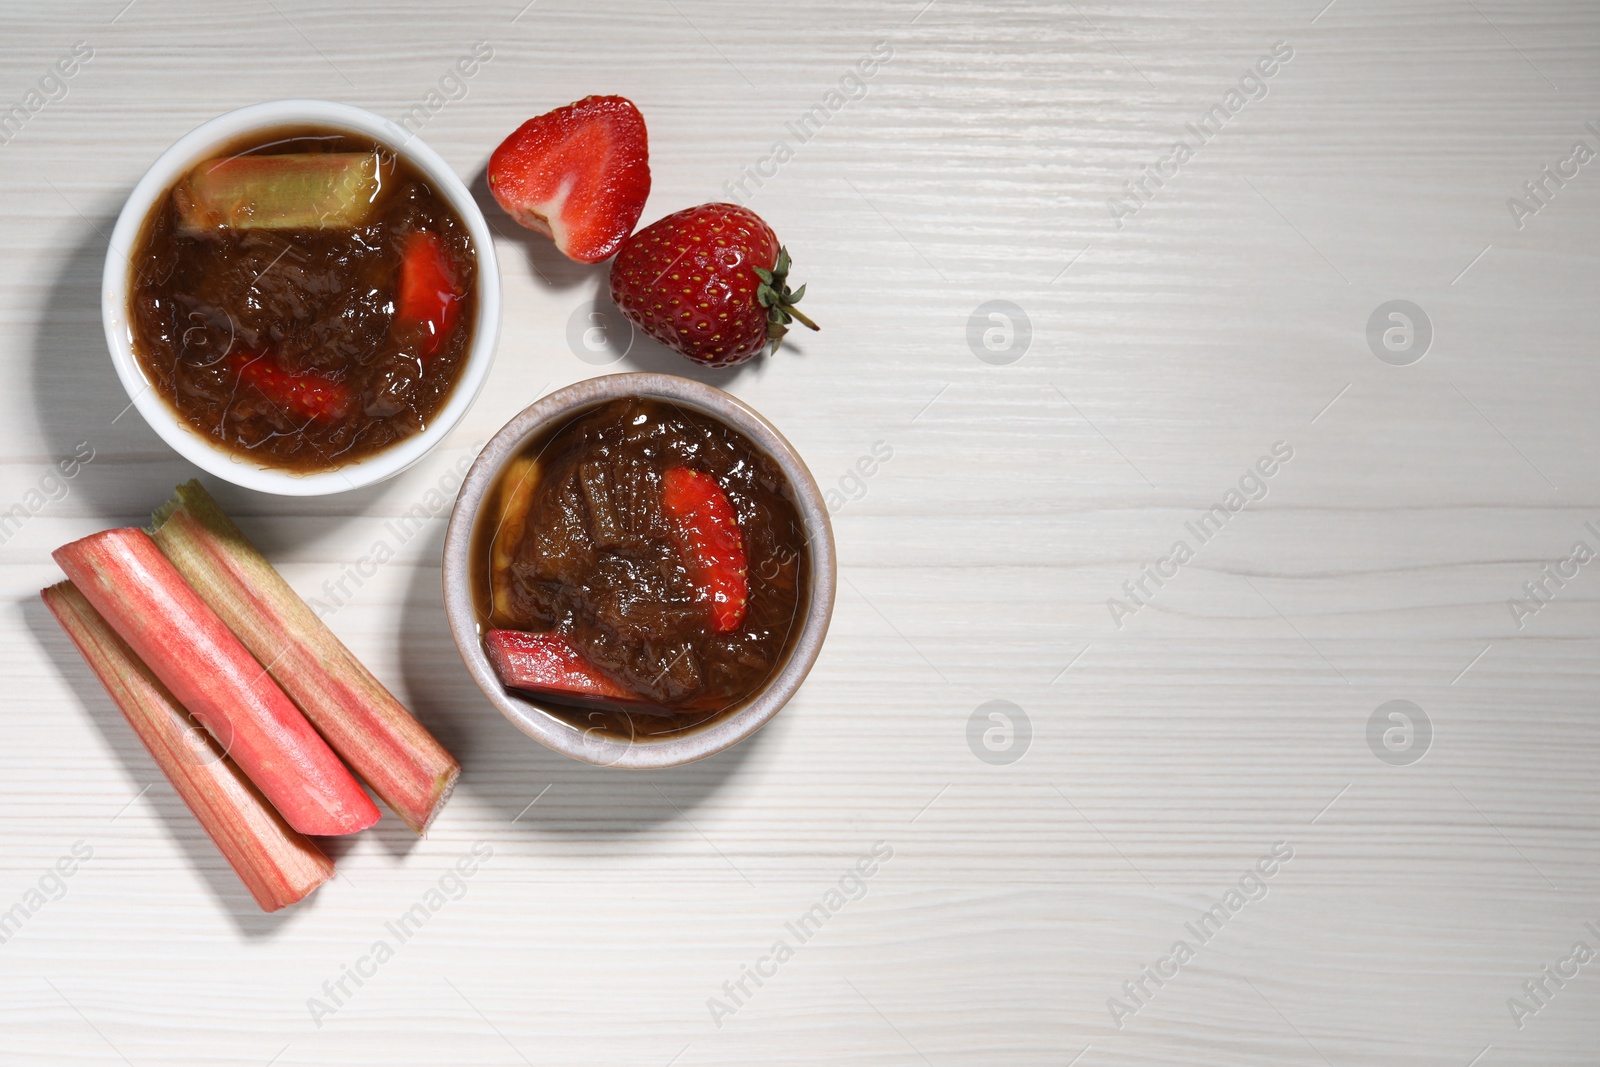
(304, 299)
(581, 538)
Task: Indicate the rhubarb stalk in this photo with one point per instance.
(290, 191)
(513, 497)
(547, 664)
(145, 600)
(364, 723)
(277, 865)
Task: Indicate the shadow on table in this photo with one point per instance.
(504, 767)
(78, 398)
(554, 269)
(619, 347)
(180, 823)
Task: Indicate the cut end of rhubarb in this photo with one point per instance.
(444, 786)
(347, 817)
(192, 651)
(277, 865)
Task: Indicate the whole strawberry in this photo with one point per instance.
(710, 282)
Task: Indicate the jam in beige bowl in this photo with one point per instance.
(566, 548)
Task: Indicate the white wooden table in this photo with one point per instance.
(1039, 461)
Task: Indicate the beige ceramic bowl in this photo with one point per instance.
(528, 713)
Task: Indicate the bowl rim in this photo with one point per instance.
(526, 713)
(116, 283)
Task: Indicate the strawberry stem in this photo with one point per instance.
(801, 317)
(779, 300)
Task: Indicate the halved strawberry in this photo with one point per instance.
(548, 664)
(309, 395)
(579, 174)
(429, 295)
(712, 543)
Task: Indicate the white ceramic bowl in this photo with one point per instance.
(536, 718)
(200, 144)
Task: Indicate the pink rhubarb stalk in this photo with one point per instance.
(547, 664)
(146, 601)
(364, 723)
(277, 865)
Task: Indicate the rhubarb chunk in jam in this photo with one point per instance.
(656, 549)
(304, 299)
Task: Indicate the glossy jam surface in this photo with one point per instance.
(577, 542)
(284, 346)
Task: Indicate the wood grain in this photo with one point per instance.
(1167, 755)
